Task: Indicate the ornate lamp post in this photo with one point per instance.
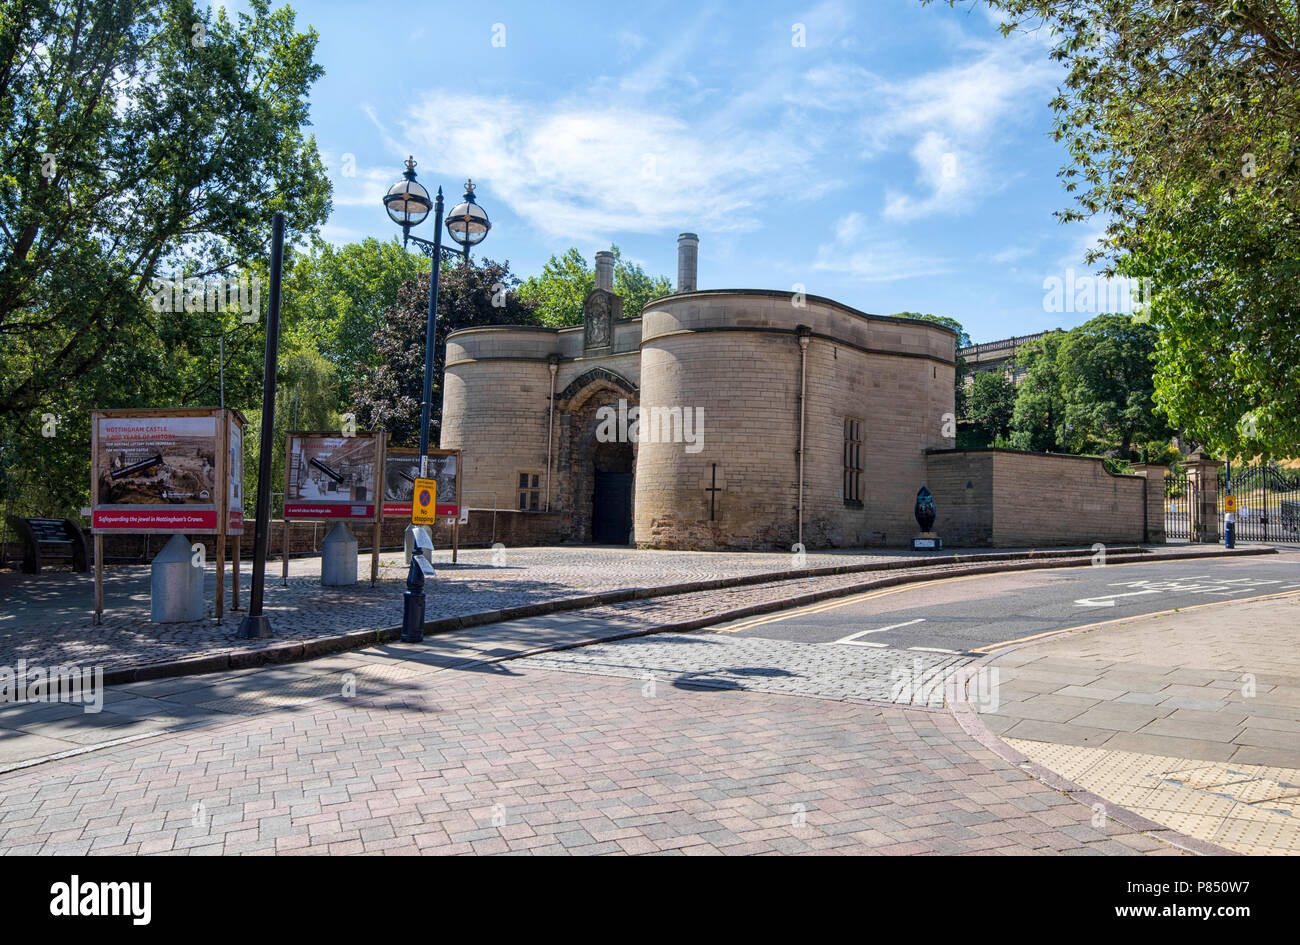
(407, 203)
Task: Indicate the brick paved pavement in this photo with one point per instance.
(521, 759)
(34, 731)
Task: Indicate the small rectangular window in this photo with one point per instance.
(530, 492)
(852, 461)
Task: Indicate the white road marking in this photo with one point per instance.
(1109, 599)
(852, 638)
(931, 649)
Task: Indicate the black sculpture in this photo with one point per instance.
(924, 509)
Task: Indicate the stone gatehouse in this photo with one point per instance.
(721, 418)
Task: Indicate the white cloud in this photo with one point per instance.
(574, 171)
(1012, 254)
(356, 186)
(850, 227)
(871, 260)
(952, 175)
(951, 120)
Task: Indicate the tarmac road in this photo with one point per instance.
(968, 614)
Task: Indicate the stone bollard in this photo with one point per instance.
(338, 557)
(175, 584)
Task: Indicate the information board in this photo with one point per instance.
(330, 476)
(167, 470)
(402, 468)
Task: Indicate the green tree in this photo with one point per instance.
(306, 398)
(991, 401)
(388, 395)
(1180, 120)
(146, 139)
(558, 293)
(1038, 421)
(335, 299)
(1228, 311)
(1106, 381)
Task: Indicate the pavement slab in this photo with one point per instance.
(1211, 753)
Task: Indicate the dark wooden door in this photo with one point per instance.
(611, 518)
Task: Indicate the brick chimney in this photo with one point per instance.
(688, 254)
(605, 270)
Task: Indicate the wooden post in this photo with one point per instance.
(381, 458)
(222, 421)
(99, 579)
(455, 525)
(218, 604)
(234, 576)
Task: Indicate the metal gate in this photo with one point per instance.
(1178, 507)
(1268, 502)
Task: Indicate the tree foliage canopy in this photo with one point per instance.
(389, 394)
(141, 140)
(558, 292)
(1181, 120)
(1089, 390)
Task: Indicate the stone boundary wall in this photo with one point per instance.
(513, 529)
(1008, 498)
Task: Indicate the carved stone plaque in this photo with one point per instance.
(600, 309)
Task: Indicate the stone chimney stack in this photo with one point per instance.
(605, 270)
(688, 255)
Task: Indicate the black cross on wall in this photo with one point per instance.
(713, 490)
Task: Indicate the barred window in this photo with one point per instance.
(529, 491)
(852, 461)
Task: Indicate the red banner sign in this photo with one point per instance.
(179, 518)
(328, 510)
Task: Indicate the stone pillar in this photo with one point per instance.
(175, 584)
(605, 270)
(1203, 482)
(338, 557)
(688, 254)
(1153, 530)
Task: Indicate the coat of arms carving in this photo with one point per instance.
(599, 310)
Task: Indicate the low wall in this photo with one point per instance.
(1008, 498)
(486, 526)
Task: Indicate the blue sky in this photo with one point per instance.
(900, 159)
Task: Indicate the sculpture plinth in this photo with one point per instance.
(924, 512)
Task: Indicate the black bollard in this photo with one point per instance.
(413, 599)
(413, 602)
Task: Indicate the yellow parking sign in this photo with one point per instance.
(424, 503)
(1230, 504)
